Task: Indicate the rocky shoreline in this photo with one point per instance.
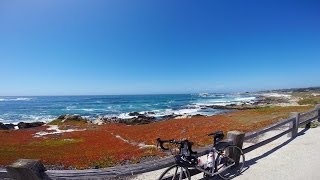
(137, 118)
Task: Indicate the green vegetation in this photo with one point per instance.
(68, 122)
(309, 101)
(56, 122)
(313, 124)
(106, 161)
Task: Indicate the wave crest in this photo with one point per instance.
(15, 99)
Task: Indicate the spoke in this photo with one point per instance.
(181, 171)
(186, 174)
(174, 176)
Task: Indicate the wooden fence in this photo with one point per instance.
(293, 123)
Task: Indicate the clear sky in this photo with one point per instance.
(76, 47)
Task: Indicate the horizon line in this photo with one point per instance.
(138, 94)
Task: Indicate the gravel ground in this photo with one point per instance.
(280, 159)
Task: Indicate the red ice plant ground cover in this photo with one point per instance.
(111, 144)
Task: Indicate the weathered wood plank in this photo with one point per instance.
(312, 112)
(295, 124)
(318, 109)
(268, 128)
(26, 169)
(262, 143)
(120, 171)
(308, 121)
(4, 174)
(308, 115)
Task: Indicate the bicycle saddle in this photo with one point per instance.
(223, 144)
(217, 136)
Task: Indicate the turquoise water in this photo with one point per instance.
(46, 108)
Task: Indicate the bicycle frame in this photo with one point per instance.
(215, 168)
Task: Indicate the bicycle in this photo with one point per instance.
(224, 159)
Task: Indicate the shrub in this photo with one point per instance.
(309, 101)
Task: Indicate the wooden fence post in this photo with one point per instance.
(26, 169)
(237, 139)
(295, 124)
(318, 108)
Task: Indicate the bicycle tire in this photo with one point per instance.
(236, 169)
(177, 175)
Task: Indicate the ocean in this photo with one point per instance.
(47, 108)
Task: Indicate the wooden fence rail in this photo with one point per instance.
(293, 122)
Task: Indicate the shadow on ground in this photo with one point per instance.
(255, 160)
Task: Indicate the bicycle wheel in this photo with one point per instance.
(231, 162)
(175, 172)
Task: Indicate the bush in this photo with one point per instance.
(309, 101)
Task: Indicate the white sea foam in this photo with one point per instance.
(33, 118)
(15, 99)
(223, 101)
(88, 109)
(125, 116)
(12, 118)
(69, 108)
(186, 111)
(277, 95)
(74, 108)
(245, 99)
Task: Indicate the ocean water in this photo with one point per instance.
(47, 108)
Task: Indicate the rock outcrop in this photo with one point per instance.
(3, 126)
(23, 125)
(140, 119)
(68, 117)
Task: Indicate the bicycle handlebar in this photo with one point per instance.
(172, 141)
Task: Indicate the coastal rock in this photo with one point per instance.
(98, 121)
(68, 117)
(171, 116)
(3, 127)
(134, 114)
(140, 120)
(103, 120)
(23, 125)
(73, 118)
(61, 117)
(198, 115)
(10, 126)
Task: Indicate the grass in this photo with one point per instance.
(104, 161)
(314, 124)
(309, 101)
(56, 122)
(69, 122)
(307, 98)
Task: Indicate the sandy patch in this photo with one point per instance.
(54, 129)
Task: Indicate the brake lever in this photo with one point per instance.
(160, 143)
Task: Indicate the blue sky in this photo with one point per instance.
(144, 46)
